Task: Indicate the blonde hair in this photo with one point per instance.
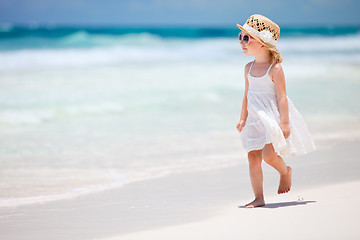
(275, 56)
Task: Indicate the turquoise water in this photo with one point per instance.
(84, 109)
(23, 37)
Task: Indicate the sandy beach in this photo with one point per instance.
(319, 213)
(207, 205)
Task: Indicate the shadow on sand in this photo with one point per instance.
(284, 204)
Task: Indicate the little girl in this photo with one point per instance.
(270, 126)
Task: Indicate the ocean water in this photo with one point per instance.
(87, 109)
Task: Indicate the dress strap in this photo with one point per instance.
(251, 67)
(269, 68)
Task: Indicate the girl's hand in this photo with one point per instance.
(240, 125)
(285, 128)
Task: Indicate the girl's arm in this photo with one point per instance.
(244, 112)
(279, 80)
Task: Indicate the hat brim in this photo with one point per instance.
(268, 45)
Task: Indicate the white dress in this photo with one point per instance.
(263, 122)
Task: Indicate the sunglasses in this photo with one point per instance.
(245, 39)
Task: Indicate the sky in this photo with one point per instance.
(178, 12)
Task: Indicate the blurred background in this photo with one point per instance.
(97, 94)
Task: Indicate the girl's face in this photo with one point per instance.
(250, 46)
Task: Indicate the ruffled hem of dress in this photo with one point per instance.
(290, 154)
(257, 147)
(280, 152)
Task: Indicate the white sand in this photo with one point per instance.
(204, 205)
(328, 212)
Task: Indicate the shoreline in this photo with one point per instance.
(112, 179)
(172, 200)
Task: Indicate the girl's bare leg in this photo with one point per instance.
(256, 177)
(270, 157)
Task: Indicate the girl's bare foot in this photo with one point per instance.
(285, 182)
(258, 202)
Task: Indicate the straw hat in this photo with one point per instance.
(262, 29)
